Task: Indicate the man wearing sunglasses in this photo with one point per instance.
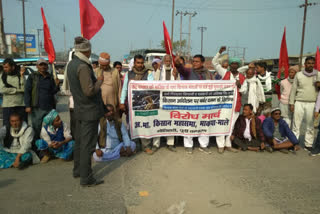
(278, 133)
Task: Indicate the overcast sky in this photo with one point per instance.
(256, 25)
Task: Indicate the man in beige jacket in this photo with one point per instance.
(111, 86)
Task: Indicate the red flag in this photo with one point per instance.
(48, 45)
(91, 20)
(167, 43)
(283, 61)
(317, 64)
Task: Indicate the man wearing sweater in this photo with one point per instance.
(302, 100)
(285, 88)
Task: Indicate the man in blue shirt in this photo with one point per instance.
(113, 139)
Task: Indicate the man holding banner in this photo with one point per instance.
(197, 72)
(166, 74)
(233, 74)
(139, 72)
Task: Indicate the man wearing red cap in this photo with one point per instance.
(111, 86)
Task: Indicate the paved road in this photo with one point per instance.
(247, 182)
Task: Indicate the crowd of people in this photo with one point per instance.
(98, 100)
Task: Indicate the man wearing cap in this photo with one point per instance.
(278, 133)
(88, 109)
(39, 94)
(111, 86)
(241, 83)
(285, 88)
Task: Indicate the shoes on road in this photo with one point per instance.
(92, 183)
(189, 150)
(308, 149)
(314, 152)
(269, 149)
(220, 150)
(45, 159)
(205, 150)
(230, 149)
(284, 151)
(172, 148)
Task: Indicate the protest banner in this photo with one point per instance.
(181, 108)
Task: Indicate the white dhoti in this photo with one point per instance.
(304, 110)
(224, 141)
(203, 141)
(112, 154)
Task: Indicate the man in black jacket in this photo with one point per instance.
(88, 109)
(39, 94)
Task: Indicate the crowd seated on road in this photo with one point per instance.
(258, 126)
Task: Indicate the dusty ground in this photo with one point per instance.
(247, 182)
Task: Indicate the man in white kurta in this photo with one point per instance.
(302, 100)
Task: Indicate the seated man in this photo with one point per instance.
(56, 139)
(278, 133)
(247, 132)
(113, 139)
(15, 144)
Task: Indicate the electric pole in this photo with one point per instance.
(39, 48)
(65, 40)
(3, 44)
(24, 30)
(305, 5)
(181, 13)
(202, 29)
(189, 40)
(172, 22)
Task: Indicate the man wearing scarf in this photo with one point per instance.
(138, 72)
(111, 86)
(166, 74)
(224, 141)
(56, 139)
(12, 88)
(302, 100)
(15, 144)
(285, 88)
(265, 78)
(197, 72)
(254, 95)
(247, 133)
(88, 109)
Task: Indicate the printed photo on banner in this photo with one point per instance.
(145, 100)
